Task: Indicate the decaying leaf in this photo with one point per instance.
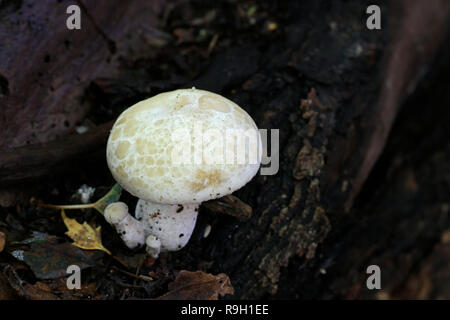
(50, 260)
(198, 285)
(6, 291)
(37, 291)
(47, 257)
(83, 235)
(2, 241)
(22, 288)
(57, 289)
(42, 290)
(37, 236)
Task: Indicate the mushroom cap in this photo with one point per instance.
(115, 212)
(183, 146)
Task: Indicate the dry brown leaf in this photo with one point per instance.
(2, 241)
(54, 290)
(198, 285)
(13, 287)
(59, 287)
(6, 291)
(83, 235)
(38, 291)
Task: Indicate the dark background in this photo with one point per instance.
(364, 151)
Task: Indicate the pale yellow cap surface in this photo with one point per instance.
(155, 153)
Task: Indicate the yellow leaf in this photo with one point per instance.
(83, 235)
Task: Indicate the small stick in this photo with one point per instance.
(68, 206)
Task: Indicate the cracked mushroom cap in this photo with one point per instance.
(184, 146)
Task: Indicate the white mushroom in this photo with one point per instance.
(130, 230)
(153, 246)
(171, 224)
(176, 150)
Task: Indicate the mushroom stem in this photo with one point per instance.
(129, 229)
(171, 224)
(153, 246)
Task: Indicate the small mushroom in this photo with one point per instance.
(129, 229)
(153, 246)
(175, 151)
